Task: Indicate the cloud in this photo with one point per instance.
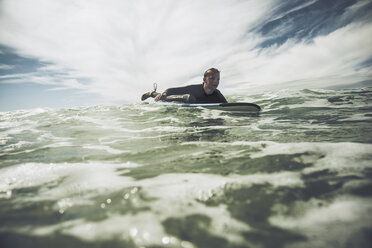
(6, 67)
(118, 49)
(328, 60)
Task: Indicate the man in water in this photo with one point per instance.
(198, 93)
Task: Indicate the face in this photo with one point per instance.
(211, 81)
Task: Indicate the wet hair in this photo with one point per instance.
(211, 71)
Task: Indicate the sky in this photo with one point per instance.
(67, 53)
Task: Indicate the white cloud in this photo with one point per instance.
(328, 60)
(5, 67)
(121, 48)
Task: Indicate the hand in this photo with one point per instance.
(161, 97)
(145, 96)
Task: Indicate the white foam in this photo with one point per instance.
(345, 157)
(315, 103)
(28, 113)
(105, 148)
(337, 156)
(59, 144)
(72, 178)
(174, 195)
(19, 127)
(147, 107)
(210, 113)
(168, 119)
(18, 145)
(357, 117)
(330, 225)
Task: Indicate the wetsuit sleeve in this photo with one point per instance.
(176, 91)
(179, 94)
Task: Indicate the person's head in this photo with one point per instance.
(211, 80)
(211, 72)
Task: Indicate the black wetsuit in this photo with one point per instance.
(194, 94)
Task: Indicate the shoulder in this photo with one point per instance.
(195, 86)
(191, 86)
(221, 97)
(188, 89)
(196, 89)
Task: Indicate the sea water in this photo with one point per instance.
(142, 175)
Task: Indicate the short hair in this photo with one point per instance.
(211, 71)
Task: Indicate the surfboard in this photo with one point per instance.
(231, 107)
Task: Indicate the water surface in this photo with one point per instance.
(144, 175)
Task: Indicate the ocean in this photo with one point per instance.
(143, 175)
